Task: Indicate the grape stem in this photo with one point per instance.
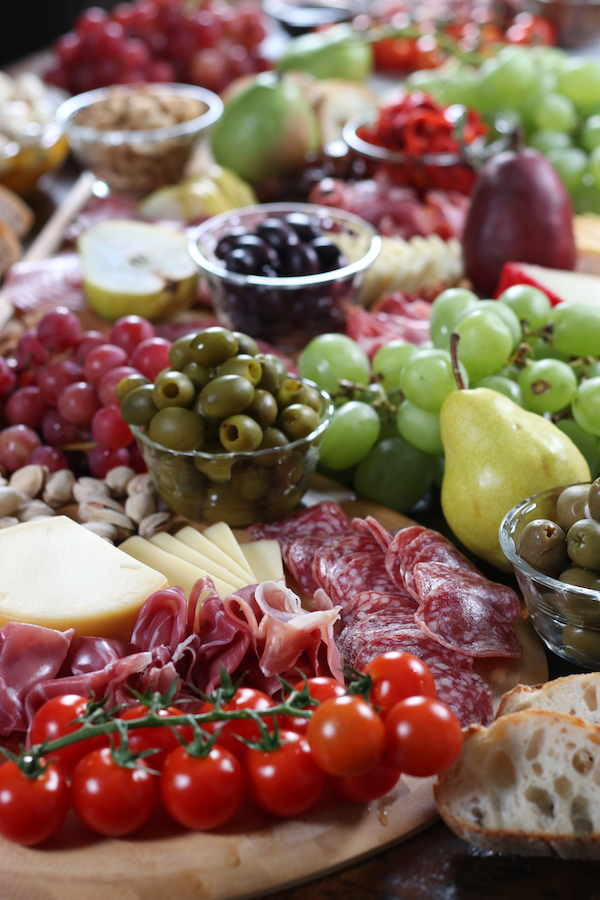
(454, 339)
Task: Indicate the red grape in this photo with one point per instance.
(59, 330)
(26, 407)
(107, 387)
(135, 54)
(247, 25)
(78, 403)
(57, 430)
(87, 22)
(137, 461)
(87, 341)
(8, 379)
(101, 360)
(160, 71)
(101, 461)
(48, 456)
(151, 357)
(207, 29)
(208, 68)
(29, 351)
(68, 48)
(84, 78)
(107, 71)
(130, 331)
(131, 76)
(124, 14)
(17, 443)
(109, 429)
(57, 76)
(53, 380)
(146, 14)
(111, 39)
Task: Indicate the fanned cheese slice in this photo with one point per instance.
(264, 558)
(201, 544)
(171, 545)
(222, 535)
(178, 572)
(57, 574)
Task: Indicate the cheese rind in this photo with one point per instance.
(221, 534)
(171, 545)
(197, 541)
(177, 571)
(264, 557)
(57, 574)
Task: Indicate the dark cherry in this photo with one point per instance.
(276, 233)
(330, 256)
(243, 261)
(300, 259)
(305, 227)
(229, 241)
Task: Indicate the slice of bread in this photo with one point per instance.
(528, 784)
(15, 212)
(578, 695)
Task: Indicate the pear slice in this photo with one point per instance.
(134, 268)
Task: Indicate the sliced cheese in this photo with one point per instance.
(57, 574)
(222, 535)
(264, 558)
(177, 571)
(201, 544)
(177, 548)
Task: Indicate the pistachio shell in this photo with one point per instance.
(84, 488)
(10, 500)
(139, 506)
(29, 479)
(141, 484)
(59, 488)
(154, 523)
(118, 479)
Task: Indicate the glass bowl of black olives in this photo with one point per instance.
(227, 433)
(284, 272)
(552, 541)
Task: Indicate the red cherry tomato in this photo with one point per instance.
(244, 698)
(422, 736)
(31, 809)
(396, 676)
(54, 720)
(286, 781)
(375, 783)
(394, 53)
(346, 736)
(320, 688)
(202, 792)
(162, 739)
(109, 798)
(529, 29)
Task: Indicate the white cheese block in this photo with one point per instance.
(177, 571)
(57, 574)
(222, 535)
(171, 545)
(264, 557)
(201, 544)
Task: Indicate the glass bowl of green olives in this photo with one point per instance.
(284, 272)
(552, 540)
(227, 433)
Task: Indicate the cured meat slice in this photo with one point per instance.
(316, 521)
(411, 639)
(381, 630)
(431, 547)
(368, 603)
(356, 573)
(467, 695)
(430, 577)
(373, 528)
(397, 549)
(336, 548)
(298, 556)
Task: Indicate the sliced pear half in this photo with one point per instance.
(134, 268)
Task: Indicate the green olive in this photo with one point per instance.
(274, 372)
(582, 644)
(250, 483)
(180, 354)
(211, 428)
(198, 375)
(282, 505)
(177, 428)
(138, 407)
(581, 577)
(594, 500)
(129, 384)
(213, 346)
(583, 543)
(246, 344)
(570, 506)
(221, 505)
(263, 408)
(173, 388)
(218, 470)
(226, 396)
(543, 545)
(178, 476)
(273, 437)
(298, 421)
(291, 391)
(313, 399)
(240, 434)
(243, 365)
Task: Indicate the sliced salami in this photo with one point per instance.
(298, 556)
(397, 552)
(467, 695)
(362, 641)
(431, 576)
(370, 602)
(410, 639)
(333, 549)
(316, 521)
(372, 527)
(356, 573)
(431, 547)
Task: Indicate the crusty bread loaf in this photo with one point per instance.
(528, 784)
(15, 212)
(578, 695)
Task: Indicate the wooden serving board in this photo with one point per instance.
(257, 853)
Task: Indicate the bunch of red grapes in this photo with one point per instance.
(59, 390)
(209, 44)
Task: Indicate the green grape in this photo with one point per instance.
(548, 59)
(555, 113)
(509, 77)
(446, 310)
(586, 198)
(423, 80)
(541, 349)
(528, 303)
(590, 133)
(543, 84)
(507, 315)
(372, 394)
(586, 405)
(512, 371)
(571, 165)
(342, 476)
(587, 369)
(544, 141)
(390, 360)
(420, 428)
(579, 80)
(329, 358)
(427, 379)
(507, 120)
(485, 343)
(352, 432)
(594, 165)
(547, 385)
(503, 385)
(395, 474)
(585, 442)
(576, 329)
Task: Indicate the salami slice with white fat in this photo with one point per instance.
(396, 550)
(372, 527)
(433, 576)
(328, 555)
(298, 556)
(431, 547)
(356, 573)
(464, 692)
(370, 602)
(317, 521)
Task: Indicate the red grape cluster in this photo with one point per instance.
(59, 389)
(208, 44)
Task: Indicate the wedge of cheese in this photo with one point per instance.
(264, 558)
(224, 538)
(177, 548)
(177, 571)
(57, 574)
(201, 544)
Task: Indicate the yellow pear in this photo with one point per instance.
(498, 454)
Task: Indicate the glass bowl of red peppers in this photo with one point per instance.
(421, 144)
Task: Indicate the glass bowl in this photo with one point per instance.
(576, 22)
(237, 488)
(287, 312)
(566, 617)
(136, 160)
(443, 171)
(300, 16)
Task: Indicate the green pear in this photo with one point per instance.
(498, 454)
(337, 52)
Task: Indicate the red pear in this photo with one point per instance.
(520, 212)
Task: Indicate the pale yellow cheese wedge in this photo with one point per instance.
(201, 544)
(57, 574)
(171, 545)
(177, 571)
(264, 557)
(222, 535)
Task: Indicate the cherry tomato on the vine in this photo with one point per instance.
(285, 781)
(375, 783)
(31, 809)
(112, 799)
(55, 720)
(346, 736)
(320, 688)
(422, 736)
(396, 676)
(395, 53)
(244, 698)
(202, 792)
(164, 740)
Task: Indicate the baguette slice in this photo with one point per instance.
(528, 784)
(15, 211)
(577, 695)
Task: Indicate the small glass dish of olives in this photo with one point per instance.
(552, 540)
(227, 433)
(284, 272)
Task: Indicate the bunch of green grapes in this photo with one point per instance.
(385, 439)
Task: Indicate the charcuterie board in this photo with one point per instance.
(256, 853)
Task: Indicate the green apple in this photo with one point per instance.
(134, 268)
(338, 52)
(266, 130)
